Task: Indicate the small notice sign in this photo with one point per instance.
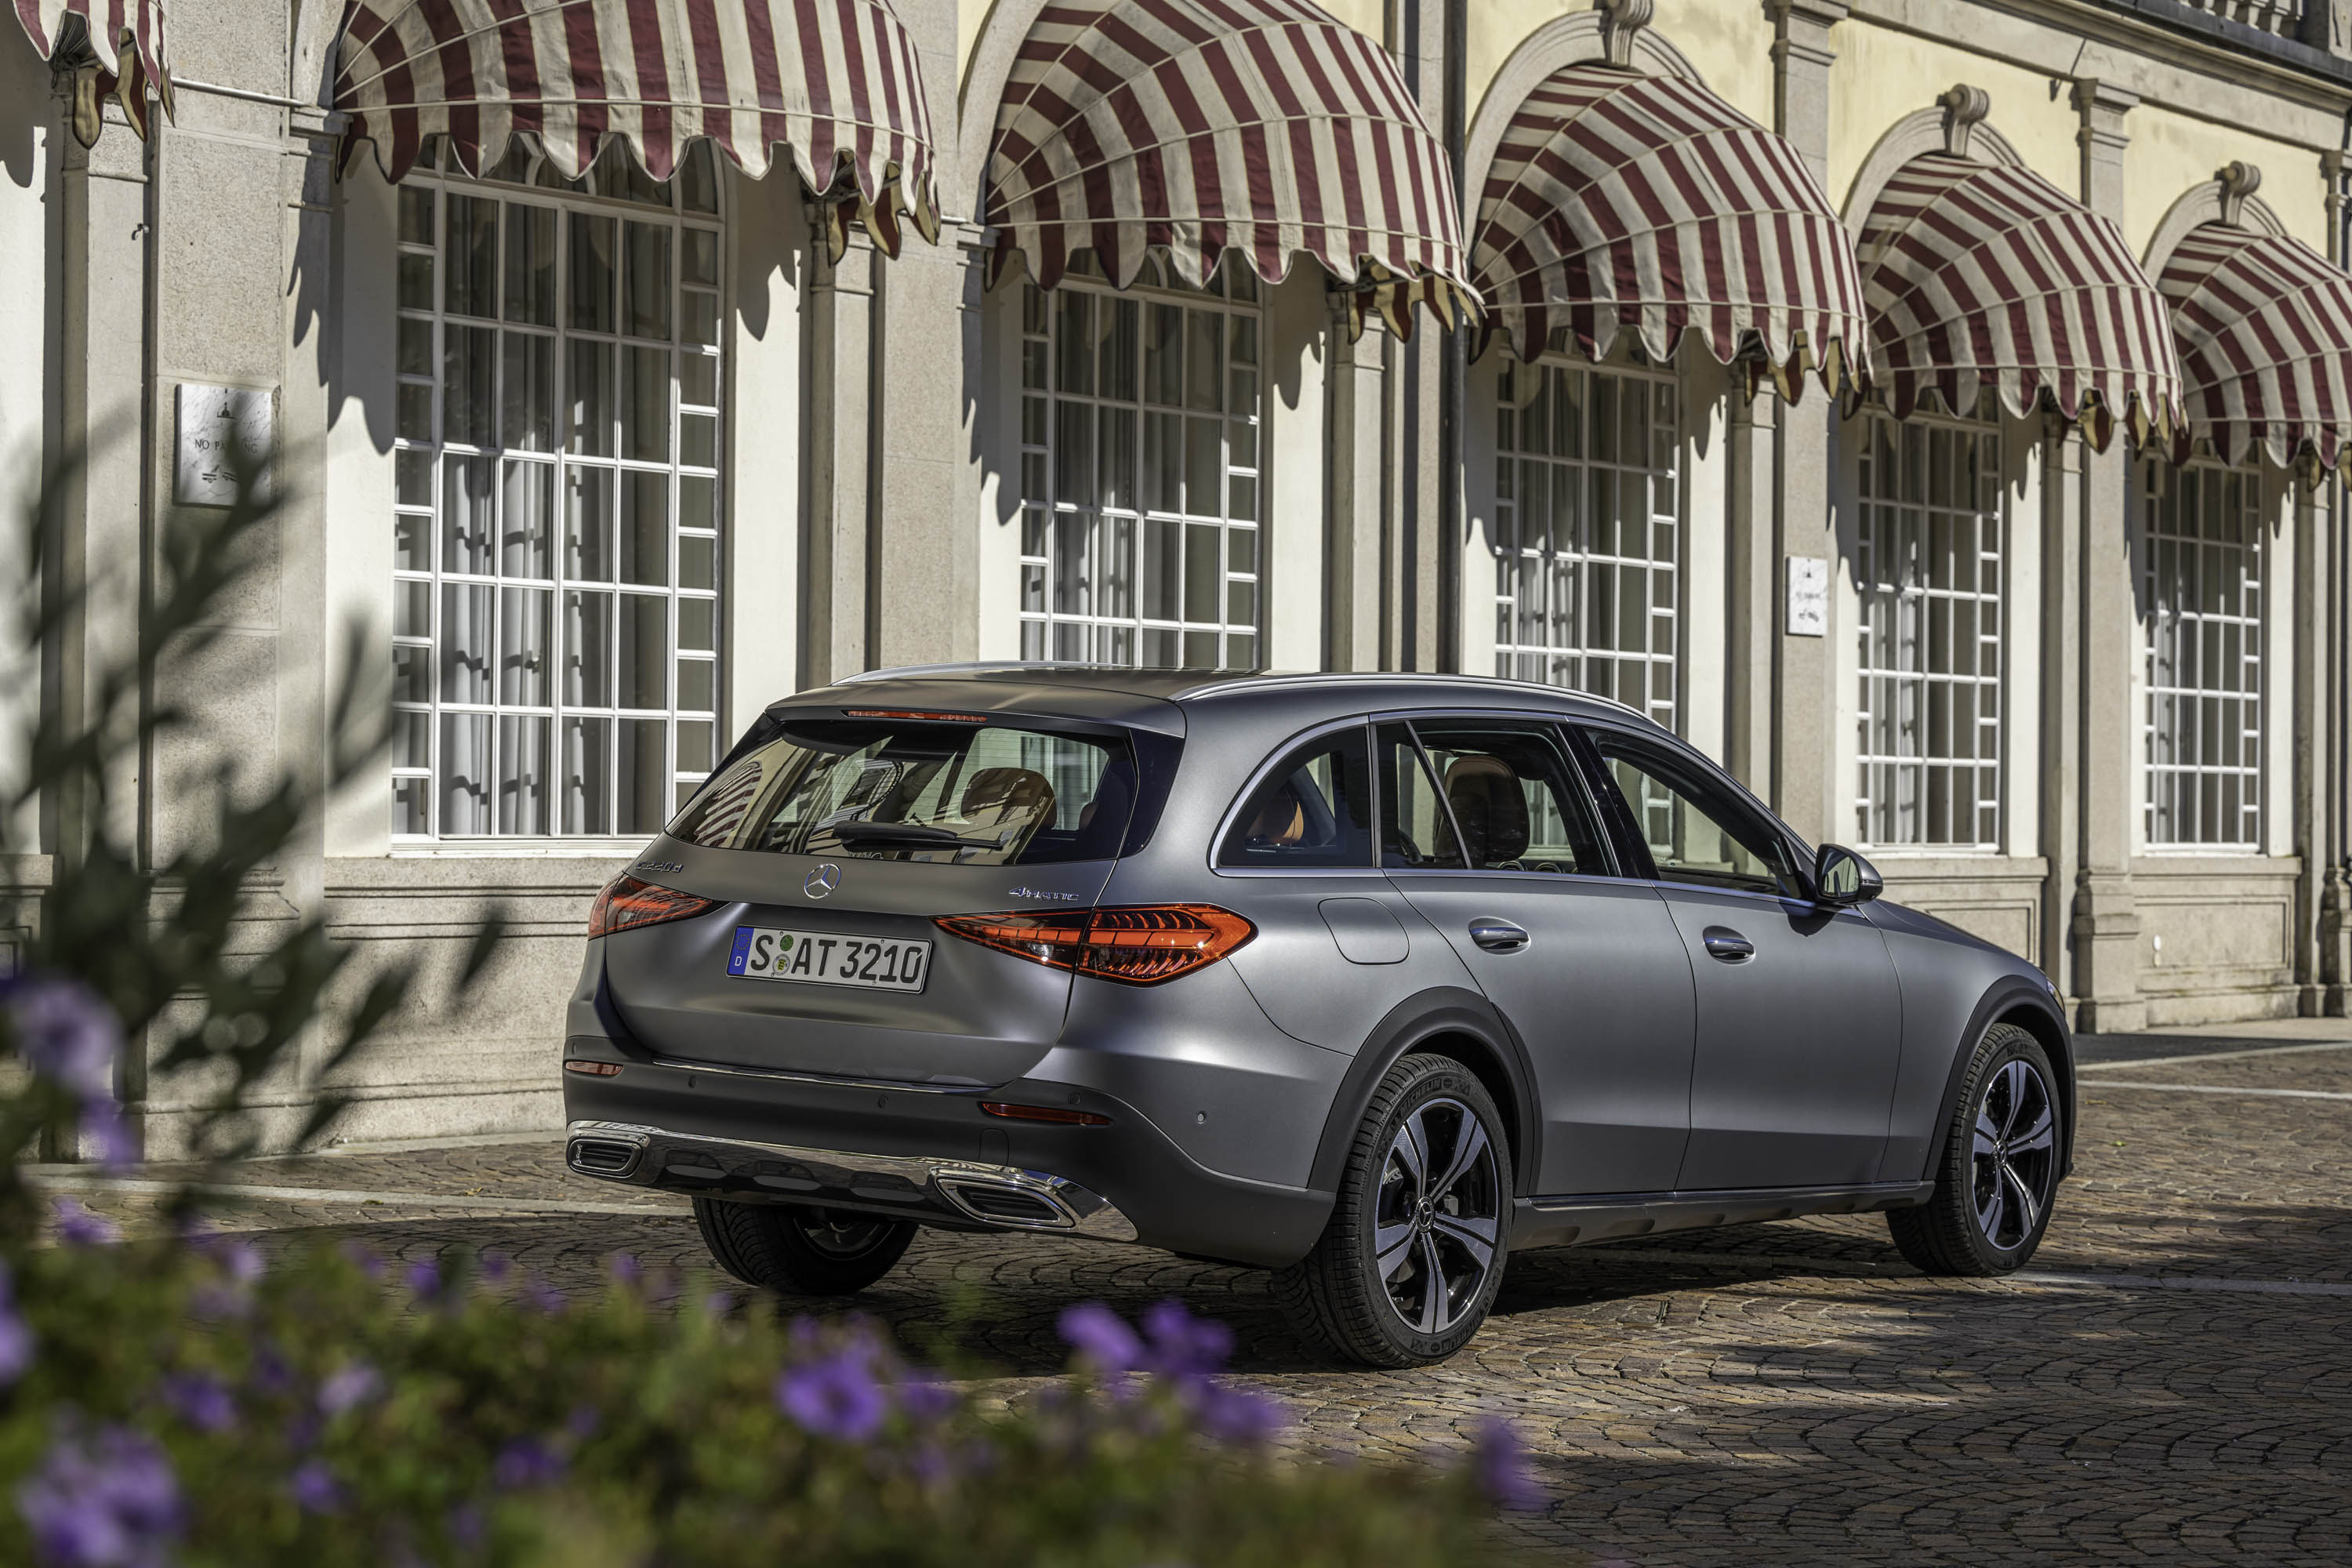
(220, 427)
(1809, 596)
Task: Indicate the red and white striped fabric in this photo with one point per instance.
(836, 81)
(2263, 324)
(1979, 273)
(1618, 200)
(1266, 128)
(127, 39)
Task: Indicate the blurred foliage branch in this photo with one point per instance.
(198, 953)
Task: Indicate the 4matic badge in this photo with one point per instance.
(1035, 893)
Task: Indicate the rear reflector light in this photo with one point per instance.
(627, 903)
(594, 1069)
(1044, 1114)
(1141, 944)
(916, 713)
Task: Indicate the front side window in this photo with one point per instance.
(1929, 568)
(962, 792)
(556, 507)
(1587, 547)
(1139, 472)
(2203, 745)
(1314, 809)
(1696, 830)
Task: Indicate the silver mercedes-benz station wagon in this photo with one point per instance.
(1366, 979)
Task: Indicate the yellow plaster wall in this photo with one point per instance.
(1368, 17)
(1729, 46)
(969, 16)
(2169, 154)
(1880, 76)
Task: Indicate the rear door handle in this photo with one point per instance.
(1727, 944)
(1497, 935)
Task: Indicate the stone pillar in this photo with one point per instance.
(2105, 926)
(1353, 493)
(2335, 916)
(1750, 615)
(926, 555)
(1412, 614)
(836, 608)
(1804, 702)
(2060, 695)
(2307, 714)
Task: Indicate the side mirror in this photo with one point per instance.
(1843, 878)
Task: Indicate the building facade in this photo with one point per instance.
(1987, 520)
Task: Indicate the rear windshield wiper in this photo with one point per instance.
(904, 835)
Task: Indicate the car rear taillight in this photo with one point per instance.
(1142, 945)
(627, 903)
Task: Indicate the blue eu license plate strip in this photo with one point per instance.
(828, 958)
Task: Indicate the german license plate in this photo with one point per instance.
(829, 958)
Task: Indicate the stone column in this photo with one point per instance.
(2315, 739)
(926, 551)
(2334, 933)
(836, 608)
(1411, 612)
(2061, 696)
(1804, 703)
(1353, 491)
(1751, 616)
(2105, 926)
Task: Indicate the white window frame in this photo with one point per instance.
(1545, 588)
(1091, 587)
(1931, 569)
(426, 592)
(2207, 635)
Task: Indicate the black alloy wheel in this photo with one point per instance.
(799, 1250)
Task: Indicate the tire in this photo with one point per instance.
(798, 1250)
(1340, 1295)
(1997, 1172)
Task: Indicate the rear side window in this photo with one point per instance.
(1314, 809)
(1509, 793)
(946, 792)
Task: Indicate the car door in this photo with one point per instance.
(1488, 829)
(1800, 1019)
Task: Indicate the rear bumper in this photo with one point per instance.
(925, 1153)
(922, 1187)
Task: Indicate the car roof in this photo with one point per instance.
(1129, 695)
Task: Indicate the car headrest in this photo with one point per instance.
(1492, 808)
(999, 798)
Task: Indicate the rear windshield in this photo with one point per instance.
(907, 789)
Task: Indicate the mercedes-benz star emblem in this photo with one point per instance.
(822, 880)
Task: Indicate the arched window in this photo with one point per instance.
(1140, 470)
(1588, 550)
(555, 533)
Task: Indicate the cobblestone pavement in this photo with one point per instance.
(2171, 1380)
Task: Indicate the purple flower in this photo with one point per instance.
(364, 1258)
(347, 1388)
(201, 1400)
(109, 1503)
(925, 1397)
(66, 1033)
(425, 1279)
(543, 1296)
(1101, 1338)
(78, 1227)
(238, 1258)
(495, 1265)
(719, 1303)
(1184, 1346)
(468, 1526)
(835, 1398)
(526, 1462)
(271, 1375)
(626, 1267)
(106, 1132)
(1236, 1414)
(314, 1486)
(16, 1339)
(1501, 1464)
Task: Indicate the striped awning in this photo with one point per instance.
(1984, 274)
(835, 81)
(1264, 128)
(1619, 200)
(2263, 324)
(126, 39)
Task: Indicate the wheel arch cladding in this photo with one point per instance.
(1446, 1022)
(2014, 1001)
